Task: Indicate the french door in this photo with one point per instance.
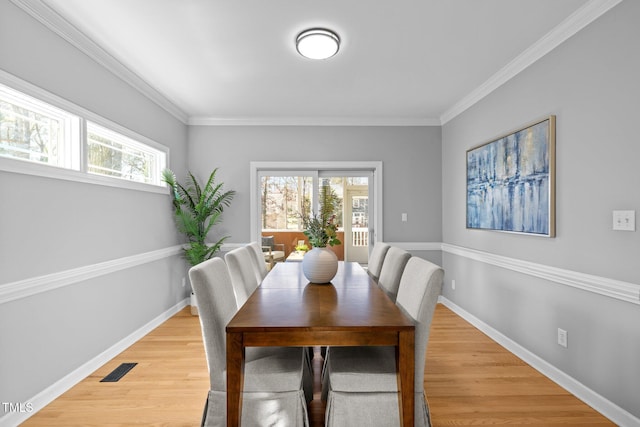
(282, 191)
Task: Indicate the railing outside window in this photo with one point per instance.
(360, 236)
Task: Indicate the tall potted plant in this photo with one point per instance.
(197, 209)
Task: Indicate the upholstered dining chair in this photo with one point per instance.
(259, 263)
(376, 259)
(242, 263)
(276, 379)
(392, 267)
(360, 383)
(242, 271)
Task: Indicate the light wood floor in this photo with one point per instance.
(469, 380)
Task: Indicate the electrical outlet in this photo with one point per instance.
(624, 220)
(184, 282)
(563, 337)
(453, 285)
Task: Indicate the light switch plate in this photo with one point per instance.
(624, 220)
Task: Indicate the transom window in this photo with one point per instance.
(112, 154)
(34, 131)
(37, 132)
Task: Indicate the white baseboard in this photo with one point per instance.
(607, 408)
(52, 392)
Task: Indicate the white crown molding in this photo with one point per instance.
(52, 392)
(570, 26)
(609, 409)
(617, 289)
(56, 23)
(35, 285)
(567, 28)
(313, 121)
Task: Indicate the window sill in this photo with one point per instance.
(48, 171)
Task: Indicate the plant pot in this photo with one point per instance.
(320, 265)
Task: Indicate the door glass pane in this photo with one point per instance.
(360, 220)
(352, 213)
(283, 199)
(336, 193)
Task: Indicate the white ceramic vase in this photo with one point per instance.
(320, 265)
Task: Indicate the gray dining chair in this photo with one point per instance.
(259, 263)
(392, 267)
(360, 383)
(242, 271)
(276, 379)
(376, 259)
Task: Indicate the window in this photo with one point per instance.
(34, 131)
(112, 154)
(38, 133)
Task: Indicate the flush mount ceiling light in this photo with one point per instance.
(317, 43)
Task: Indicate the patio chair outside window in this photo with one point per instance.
(273, 252)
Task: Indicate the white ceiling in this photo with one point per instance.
(400, 62)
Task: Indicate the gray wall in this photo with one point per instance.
(591, 84)
(49, 225)
(410, 155)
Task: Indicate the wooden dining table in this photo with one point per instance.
(287, 310)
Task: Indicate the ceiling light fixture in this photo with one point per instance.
(317, 43)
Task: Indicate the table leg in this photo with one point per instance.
(235, 380)
(406, 377)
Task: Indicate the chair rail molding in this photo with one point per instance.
(27, 287)
(418, 246)
(617, 289)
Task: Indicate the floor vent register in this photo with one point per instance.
(118, 373)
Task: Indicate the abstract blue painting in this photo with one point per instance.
(510, 181)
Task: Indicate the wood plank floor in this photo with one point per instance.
(469, 380)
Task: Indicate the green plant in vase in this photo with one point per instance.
(322, 228)
(321, 264)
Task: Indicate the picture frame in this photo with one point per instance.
(511, 181)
